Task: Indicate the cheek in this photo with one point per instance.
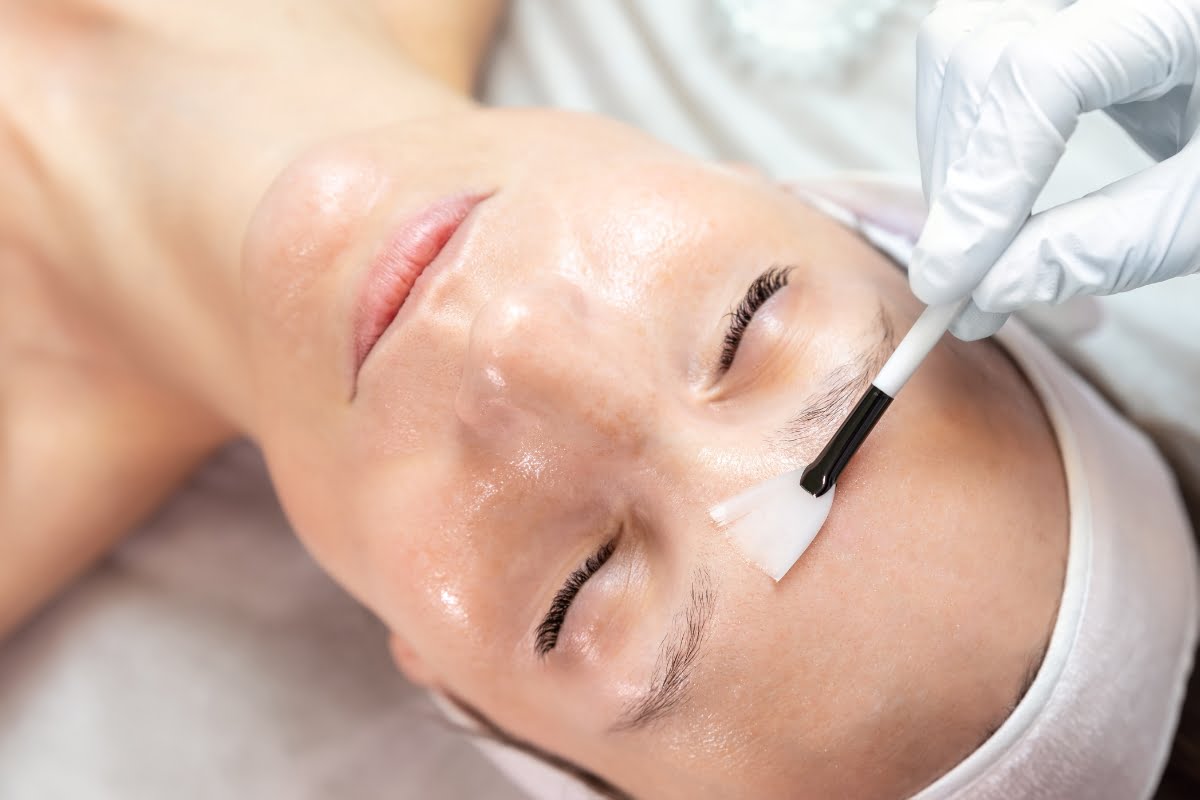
(304, 231)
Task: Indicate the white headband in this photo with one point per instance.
(1099, 718)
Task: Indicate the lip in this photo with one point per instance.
(410, 250)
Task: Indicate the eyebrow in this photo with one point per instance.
(678, 653)
(683, 646)
(842, 387)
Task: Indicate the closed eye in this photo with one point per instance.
(760, 291)
(551, 624)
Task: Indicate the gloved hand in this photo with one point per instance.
(1000, 86)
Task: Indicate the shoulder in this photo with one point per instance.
(88, 444)
(87, 451)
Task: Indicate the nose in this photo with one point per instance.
(546, 359)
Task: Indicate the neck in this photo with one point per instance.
(168, 149)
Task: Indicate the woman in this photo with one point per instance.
(491, 361)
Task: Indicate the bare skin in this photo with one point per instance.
(87, 415)
(195, 194)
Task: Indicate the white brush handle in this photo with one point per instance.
(916, 344)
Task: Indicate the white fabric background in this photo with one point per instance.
(208, 658)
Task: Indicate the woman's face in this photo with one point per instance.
(561, 388)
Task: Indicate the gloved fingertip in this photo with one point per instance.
(995, 303)
(975, 324)
(1003, 290)
(931, 281)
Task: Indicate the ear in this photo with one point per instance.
(409, 662)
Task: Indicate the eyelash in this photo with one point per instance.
(760, 291)
(547, 633)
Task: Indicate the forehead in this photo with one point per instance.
(626, 206)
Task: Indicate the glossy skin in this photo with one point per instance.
(551, 385)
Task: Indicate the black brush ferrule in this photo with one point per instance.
(820, 476)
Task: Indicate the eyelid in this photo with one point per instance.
(761, 290)
(551, 625)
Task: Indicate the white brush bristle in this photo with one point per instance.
(773, 522)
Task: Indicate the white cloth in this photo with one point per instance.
(668, 67)
(209, 659)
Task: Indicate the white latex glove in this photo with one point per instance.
(1000, 86)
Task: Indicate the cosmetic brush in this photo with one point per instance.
(774, 522)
